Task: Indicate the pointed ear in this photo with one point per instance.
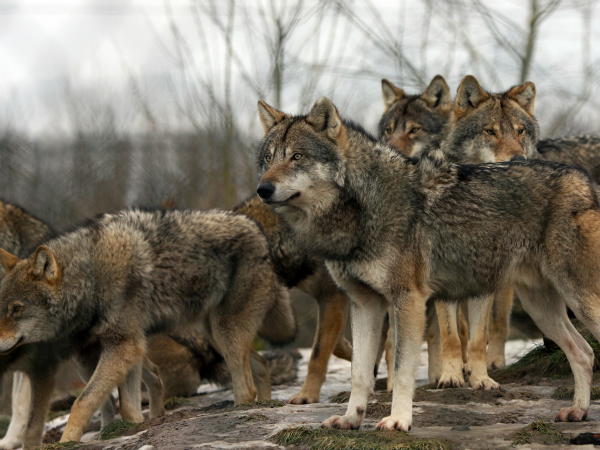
(269, 117)
(324, 117)
(390, 93)
(7, 260)
(45, 264)
(470, 95)
(437, 95)
(524, 95)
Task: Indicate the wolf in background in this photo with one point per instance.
(125, 276)
(396, 231)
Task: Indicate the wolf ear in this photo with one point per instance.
(7, 260)
(324, 117)
(437, 95)
(470, 95)
(390, 93)
(524, 95)
(44, 263)
(269, 117)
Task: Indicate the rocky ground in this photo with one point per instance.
(520, 414)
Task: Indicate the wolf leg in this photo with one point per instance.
(409, 324)
(343, 348)
(452, 375)
(85, 367)
(116, 361)
(130, 395)
(463, 332)
(151, 378)
(21, 396)
(260, 375)
(434, 347)
(476, 368)
(367, 312)
(499, 325)
(330, 329)
(382, 343)
(549, 312)
(42, 385)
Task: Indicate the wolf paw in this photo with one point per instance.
(451, 381)
(496, 362)
(343, 422)
(571, 414)
(483, 383)
(9, 443)
(303, 399)
(395, 423)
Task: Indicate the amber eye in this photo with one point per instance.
(268, 158)
(414, 130)
(297, 156)
(16, 308)
(388, 130)
(522, 130)
(490, 131)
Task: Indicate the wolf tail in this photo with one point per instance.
(283, 365)
(279, 326)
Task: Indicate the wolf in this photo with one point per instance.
(126, 276)
(409, 122)
(298, 268)
(396, 231)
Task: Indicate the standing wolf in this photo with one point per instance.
(126, 276)
(396, 231)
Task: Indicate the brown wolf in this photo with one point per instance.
(395, 231)
(409, 122)
(123, 277)
(297, 268)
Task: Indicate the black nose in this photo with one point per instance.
(265, 190)
(518, 158)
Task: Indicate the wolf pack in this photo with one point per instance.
(428, 229)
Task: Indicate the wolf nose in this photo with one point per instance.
(518, 158)
(265, 190)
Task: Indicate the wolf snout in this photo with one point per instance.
(265, 190)
(518, 158)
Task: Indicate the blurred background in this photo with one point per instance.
(105, 104)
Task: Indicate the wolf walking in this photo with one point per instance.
(396, 231)
(126, 276)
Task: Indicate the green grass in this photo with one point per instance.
(550, 432)
(114, 429)
(551, 363)
(174, 402)
(70, 445)
(328, 439)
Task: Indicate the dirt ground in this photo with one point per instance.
(455, 418)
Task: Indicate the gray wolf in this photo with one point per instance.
(123, 277)
(409, 122)
(298, 268)
(396, 231)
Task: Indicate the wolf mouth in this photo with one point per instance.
(19, 342)
(282, 202)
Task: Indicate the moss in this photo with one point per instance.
(4, 422)
(548, 432)
(262, 404)
(328, 439)
(174, 402)
(114, 429)
(341, 397)
(70, 445)
(567, 393)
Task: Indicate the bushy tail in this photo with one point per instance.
(279, 326)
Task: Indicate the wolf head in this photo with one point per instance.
(410, 121)
(30, 286)
(486, 127)
(300, 159)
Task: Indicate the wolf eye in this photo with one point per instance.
(297, 156)
(490, 131)
(388, 130)
(522, 130)
(414, 130)
(16, 308)
(268, 158)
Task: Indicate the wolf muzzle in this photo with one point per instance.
(265, 190)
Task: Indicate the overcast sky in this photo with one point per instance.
(45, 44)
